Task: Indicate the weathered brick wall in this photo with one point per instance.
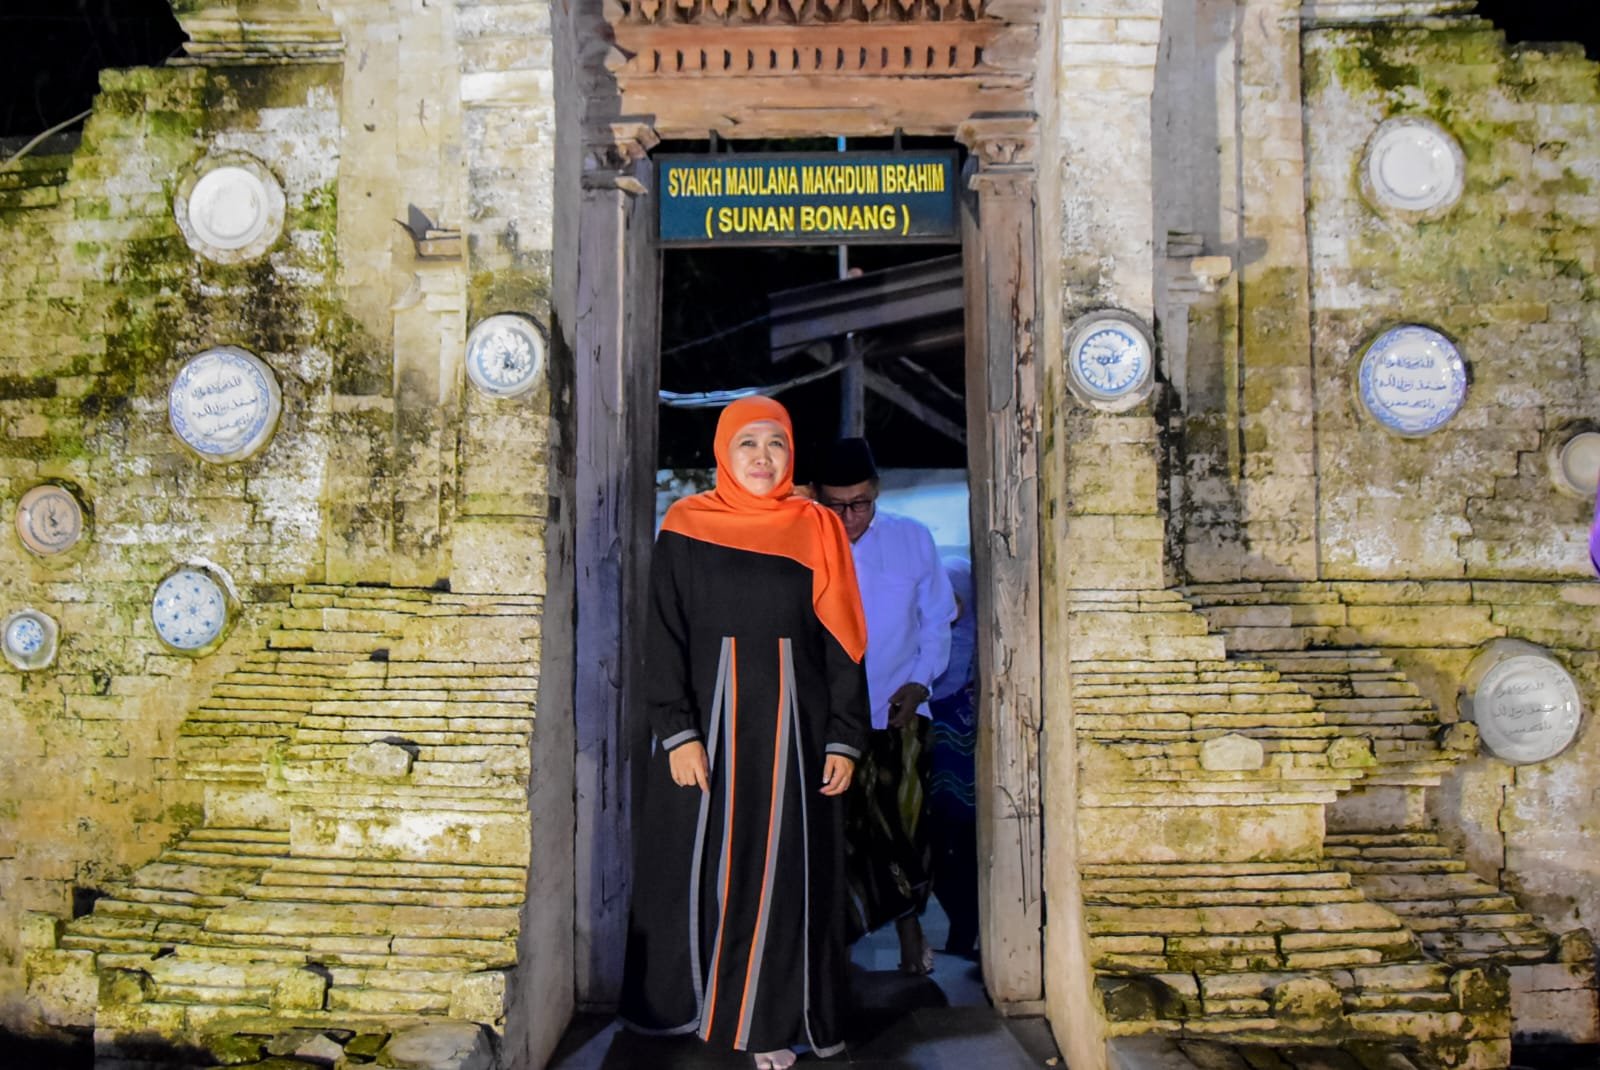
(101, 301)
(387, 467)
(1508, 273)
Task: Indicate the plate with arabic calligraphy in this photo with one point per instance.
(1524, 702)
(224, 404)
(1412, 380)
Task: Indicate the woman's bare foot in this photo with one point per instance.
(781, 1059)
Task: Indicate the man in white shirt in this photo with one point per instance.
(909, 606)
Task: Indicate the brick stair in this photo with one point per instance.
(1247, 952)
(1460, 918)
(384, 890)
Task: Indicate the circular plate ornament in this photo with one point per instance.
(190, 609)
(1412, 380)
(229, 207)
(1110, 360)
(505, 355)
(1575, 464)
(1412, 166)
(1524, 702)
(29, 639)
(224, 404)
(49, 520)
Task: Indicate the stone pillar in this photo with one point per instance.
(1003, 399)
(616, 375)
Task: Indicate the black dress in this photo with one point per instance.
(737, 926)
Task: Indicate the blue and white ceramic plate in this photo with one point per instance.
(1412, 380)
(224, 404)
(190, 609)
(1110, 360)
(505, 355)
(29, 639)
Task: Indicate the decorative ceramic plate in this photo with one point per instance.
(1413, 165)
(1575, 464)
(505, 355)
(224, 404)
(230, 208)
(1412, 380)
(190, 609)
(1527, 708)
(29, 639)
(1110, 360)
(49, 520)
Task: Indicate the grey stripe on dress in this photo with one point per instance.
(758, 948)
(725, 700)
(719, 707)
(805, 853)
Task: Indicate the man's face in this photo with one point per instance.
(855, 504)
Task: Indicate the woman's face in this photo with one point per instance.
(759, 455)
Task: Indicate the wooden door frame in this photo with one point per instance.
(617, 355)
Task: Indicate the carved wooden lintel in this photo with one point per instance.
(1005, 148)
(740, 13)
(613, 151)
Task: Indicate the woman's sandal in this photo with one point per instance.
(781, 1059)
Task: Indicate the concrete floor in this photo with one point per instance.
(940, 1022)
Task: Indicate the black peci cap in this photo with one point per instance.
(846, 463)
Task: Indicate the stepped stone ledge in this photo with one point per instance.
(323, 909)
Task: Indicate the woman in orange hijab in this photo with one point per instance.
(756, 703)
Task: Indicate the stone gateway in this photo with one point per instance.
(1234, 560)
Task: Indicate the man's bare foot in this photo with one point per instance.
(916, 957)
(781, 1059)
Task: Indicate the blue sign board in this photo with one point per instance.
(808, 198)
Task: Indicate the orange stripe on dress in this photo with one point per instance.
(727, 833)
(766, 857)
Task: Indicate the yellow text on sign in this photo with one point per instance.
(811, 219)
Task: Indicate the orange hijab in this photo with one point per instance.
(777, 523)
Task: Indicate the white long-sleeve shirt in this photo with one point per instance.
(909, 607)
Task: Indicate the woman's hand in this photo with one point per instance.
(689, 765)
(836, 773)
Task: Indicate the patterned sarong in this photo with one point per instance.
(886, 842)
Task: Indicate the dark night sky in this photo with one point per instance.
(52, 50)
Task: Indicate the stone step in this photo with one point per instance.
(1261, 690)
(1412, 838)
(1265, 919)
(1322, 662)
(301, 893)
(1168, 897)
(1347, 688)
(356, 868)
(1253, 883)
(1430, 867)
(1493, 902)
(251, 917)
(1405, 852)
(322, 642)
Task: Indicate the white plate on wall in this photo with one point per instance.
(1414, 167)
